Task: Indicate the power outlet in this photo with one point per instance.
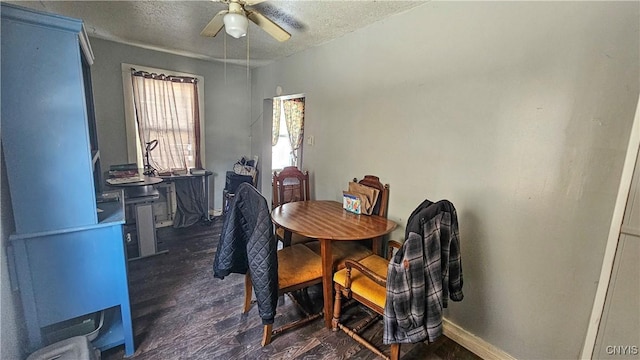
(310, 140)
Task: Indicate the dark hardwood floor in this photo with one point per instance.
(180, 311)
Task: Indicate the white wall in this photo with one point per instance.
(517, 112)
(227, 109)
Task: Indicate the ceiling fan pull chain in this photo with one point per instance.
(248, 84)
(225, 58)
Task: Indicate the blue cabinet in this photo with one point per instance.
(72, 272)
(45, 133)
(69, 260)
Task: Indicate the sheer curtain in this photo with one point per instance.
(294, 116)
(275, 130)
(292, 110)
(166, 109)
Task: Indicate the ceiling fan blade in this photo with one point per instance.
(269, 26)
(252, 2)
(215, 25)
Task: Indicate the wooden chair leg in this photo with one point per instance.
(266, 334)
(362, 341)
(248, 290)
(337, 305)
(395, 352)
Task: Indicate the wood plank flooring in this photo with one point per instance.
(180, 311)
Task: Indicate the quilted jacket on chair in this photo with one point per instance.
(247, 243)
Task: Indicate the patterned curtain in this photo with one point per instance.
(167, 110)
(294, 117)
(275, 130)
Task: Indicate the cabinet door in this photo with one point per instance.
(77, 273)
(44, 122)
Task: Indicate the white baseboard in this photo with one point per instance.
(473, 343)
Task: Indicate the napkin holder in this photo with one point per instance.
(351, 203)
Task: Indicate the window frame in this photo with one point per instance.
(135, 152)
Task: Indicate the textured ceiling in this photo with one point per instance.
(174, 26)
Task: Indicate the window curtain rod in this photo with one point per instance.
(172, 78)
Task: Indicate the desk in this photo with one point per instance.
(139, 188)
(141, 195)
(327, 222)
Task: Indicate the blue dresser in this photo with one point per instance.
(68, 256)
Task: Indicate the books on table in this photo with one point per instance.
(124, 171)
(124, 180)
(195, 171)
(124, 174)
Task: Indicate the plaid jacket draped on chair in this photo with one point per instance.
(423, 275)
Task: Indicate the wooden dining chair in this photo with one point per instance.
(356, 250)
(290, 185)
(297, 266)
(364, 281)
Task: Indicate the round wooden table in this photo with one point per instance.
(327, 221)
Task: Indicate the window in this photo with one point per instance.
(163, 107)
(287, 132)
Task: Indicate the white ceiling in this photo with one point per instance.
(174, 26)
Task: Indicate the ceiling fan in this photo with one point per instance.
(235, 22)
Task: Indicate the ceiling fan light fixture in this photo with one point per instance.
(236, 24)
